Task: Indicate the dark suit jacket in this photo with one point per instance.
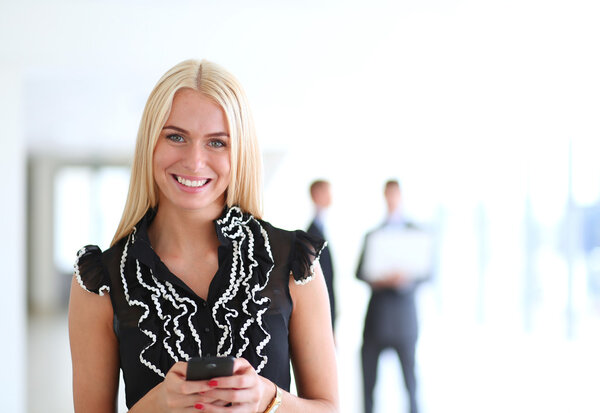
(392, 313)
(327, 266)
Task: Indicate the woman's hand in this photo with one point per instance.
(245, 390)
(176, 394)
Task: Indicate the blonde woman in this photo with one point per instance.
(193, 271)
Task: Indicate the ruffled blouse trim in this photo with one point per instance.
(89, 271)
(307, 252)
(136, 302)
(311, 272)
(248, 276)
(167, 318)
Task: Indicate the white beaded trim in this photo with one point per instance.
(102, 290)
(239, 280)
(165, 318)
(136, 302)
(246, 285)
(76, 266)
(245, 233)
(231, 290)
(257, 288)
(190, 323)
(311, 268)
(174, 297)
(178, 302)
(229, 312)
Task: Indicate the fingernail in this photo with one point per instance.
(213, 383)
(198, 406)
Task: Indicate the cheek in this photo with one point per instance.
(156, 167)
(161, 160)
(225, 166)
(160, 163)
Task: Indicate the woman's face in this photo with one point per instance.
(191, 159)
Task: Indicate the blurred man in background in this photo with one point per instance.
(391, 320)
(320, 193)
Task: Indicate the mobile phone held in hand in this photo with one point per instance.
(206, 368)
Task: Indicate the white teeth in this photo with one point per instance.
(192, 184)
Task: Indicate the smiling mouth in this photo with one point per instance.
(191, 183)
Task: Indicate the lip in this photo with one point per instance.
(191, 178)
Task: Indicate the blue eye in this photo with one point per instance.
(217, 143)
(175, 138)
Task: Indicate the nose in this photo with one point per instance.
(195, 157)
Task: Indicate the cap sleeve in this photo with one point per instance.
(90, 272)
(306, 251)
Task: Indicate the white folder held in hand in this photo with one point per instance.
(405, 250)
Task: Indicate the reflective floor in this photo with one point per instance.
(466, 367)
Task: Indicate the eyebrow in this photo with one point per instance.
(181, 130)
(175, 128)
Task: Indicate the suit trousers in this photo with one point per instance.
(390, 323)
(370, 352)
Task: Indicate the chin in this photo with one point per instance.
(202, 206)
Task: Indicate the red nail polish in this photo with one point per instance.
(198, 406)
(213, 383)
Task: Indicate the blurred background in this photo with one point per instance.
(487, 111)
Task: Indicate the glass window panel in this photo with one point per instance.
(113, 183)
(72, 220)
(88, 203)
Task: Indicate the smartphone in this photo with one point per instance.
(206, 368)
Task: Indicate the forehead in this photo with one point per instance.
(324, 186)
(392, 189)
(194, 111)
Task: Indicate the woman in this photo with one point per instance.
(194, 271)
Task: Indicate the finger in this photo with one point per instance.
(244, 376)
(196, 386)
(203, 386)
(179, 385)
(241, 364)
(228, 408)
(239, 396)
(192, 402)
(207, 399)
(241, 380)
(178, 402)
(179, 369)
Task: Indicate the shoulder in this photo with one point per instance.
(373, 231)
(302, 250)
(280, 241)
(92, 267)
(279, 233)
(112, 256)
(291, 237)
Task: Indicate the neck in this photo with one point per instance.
(394, 214)
(180, 230)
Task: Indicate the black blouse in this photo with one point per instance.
(159, 320)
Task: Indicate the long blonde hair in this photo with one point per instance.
(245, 185)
